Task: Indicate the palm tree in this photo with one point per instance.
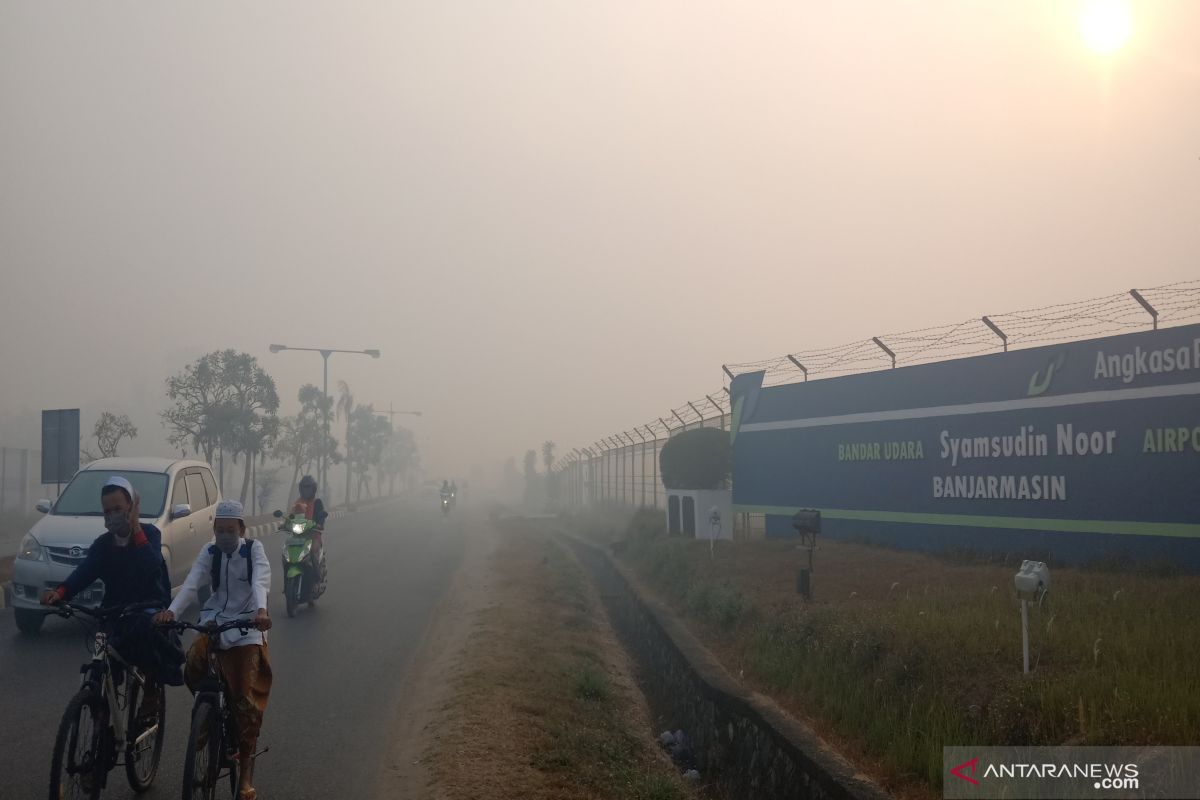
(345, 408)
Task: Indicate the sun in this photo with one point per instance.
(1105, 24)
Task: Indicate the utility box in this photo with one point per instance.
(703, 514)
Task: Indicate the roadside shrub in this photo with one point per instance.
(647, 523)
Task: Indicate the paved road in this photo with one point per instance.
(338, 668)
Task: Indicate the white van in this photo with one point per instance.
(178, 497)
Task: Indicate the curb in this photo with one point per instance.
(260, 531)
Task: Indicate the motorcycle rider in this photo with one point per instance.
(453, 494)
(313, 509)
(128, 559)
(238, 572)
(445, 493)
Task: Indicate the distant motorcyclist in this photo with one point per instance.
(446, 495)
(453, 494)
(312, 508)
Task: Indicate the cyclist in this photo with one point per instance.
(238, 572)
(129, 560)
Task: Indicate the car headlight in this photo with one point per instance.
(297, 529)
(31, 549)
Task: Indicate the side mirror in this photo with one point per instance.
(278, 514)
(44, 506)
(180, 511)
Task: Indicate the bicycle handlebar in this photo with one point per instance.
(68, 609)
(243, 625)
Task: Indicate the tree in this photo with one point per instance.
(530, 476)
(696, 459)
(551, 478)
(399, 456)
(252, 405)
(196, 394)
(301, 440)
(366, 437)
(110, 430)
(224, 401)
(265, 483)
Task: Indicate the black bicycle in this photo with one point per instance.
(212, 749)
(101, 722)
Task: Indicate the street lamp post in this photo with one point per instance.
(391, 413)
(325, 352)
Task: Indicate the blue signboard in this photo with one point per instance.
(1082, 451)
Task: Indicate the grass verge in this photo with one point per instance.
(902, 653)
(543, 706)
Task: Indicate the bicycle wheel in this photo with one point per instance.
(144, 748)
(202, 759)
(80, 761)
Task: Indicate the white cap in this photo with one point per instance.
(230, 509)
(120, 483)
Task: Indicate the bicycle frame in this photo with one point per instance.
(99, 672)
(213, 688)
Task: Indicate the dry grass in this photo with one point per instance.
(901, 653)
(543, 706)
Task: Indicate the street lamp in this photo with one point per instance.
(391, 413)
(325, 352)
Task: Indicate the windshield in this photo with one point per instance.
(82, 496)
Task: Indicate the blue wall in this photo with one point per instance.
(981, 453)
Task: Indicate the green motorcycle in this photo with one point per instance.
(303, 575)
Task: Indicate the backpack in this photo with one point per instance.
(245, 550)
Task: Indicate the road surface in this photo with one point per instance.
(338, 668)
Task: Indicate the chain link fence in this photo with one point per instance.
(622, 469)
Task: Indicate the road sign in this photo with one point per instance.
(60, 445)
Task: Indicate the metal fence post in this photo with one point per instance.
(654, 465)
(24, 479)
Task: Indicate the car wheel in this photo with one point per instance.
(29, 622)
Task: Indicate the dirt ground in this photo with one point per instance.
(425, 696)
(522, 689)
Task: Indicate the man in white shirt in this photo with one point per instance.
(239, 574)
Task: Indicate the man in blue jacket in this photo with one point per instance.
(129, 560)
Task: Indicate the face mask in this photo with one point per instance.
(308, 492)
(117, 524)
(227, 542)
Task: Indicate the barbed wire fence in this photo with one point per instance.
(622, 468)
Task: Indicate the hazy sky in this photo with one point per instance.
(557, 218)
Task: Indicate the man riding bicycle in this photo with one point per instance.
(129, 561)
(238, 572)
